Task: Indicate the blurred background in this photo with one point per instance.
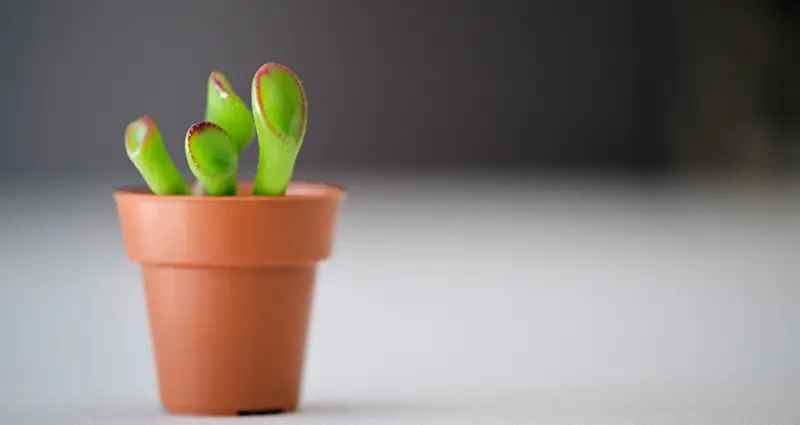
(617, 85)
(553, 203)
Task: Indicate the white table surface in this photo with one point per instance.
(450, 300)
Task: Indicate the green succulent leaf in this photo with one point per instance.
(227, 110)
(280, 113)
(213, 158)
(148, 154)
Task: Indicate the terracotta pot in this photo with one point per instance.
(229, 284)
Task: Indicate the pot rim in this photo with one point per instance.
(299, 190)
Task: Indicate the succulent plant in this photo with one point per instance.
(213, 146)
(280, 111)
(226, 109)
(213, 158)
(149, 155)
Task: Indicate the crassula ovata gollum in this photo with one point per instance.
(149, 155)
(213, 158)
(227, 110)
(281, 112)
(213, 146)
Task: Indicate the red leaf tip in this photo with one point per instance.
(132, 142)
(220, 82)
(200, 127)
(270, 66)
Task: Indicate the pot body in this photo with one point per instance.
(229, 284)
(229, 340)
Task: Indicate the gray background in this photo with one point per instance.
(618, 85)
(391, 84)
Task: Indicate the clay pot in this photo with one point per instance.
(229, 284)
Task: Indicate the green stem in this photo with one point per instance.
(276, 162)
(148, 154)
(220, 187)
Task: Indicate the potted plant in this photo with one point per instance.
(229, 269)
